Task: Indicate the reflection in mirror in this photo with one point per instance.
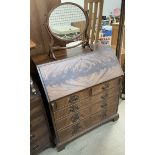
(67, 22)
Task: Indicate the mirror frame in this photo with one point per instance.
(84, 42)
(78, 36)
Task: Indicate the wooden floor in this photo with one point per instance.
(105, 140)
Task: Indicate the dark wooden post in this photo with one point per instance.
(120, 31)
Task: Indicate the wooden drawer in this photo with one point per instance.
(39, 145)
(39, 132)
(84, 103)
(86, 123)
(36, 110)
(73, 130)
(35, 100)
(71, 109)
(39, 119)
(86, 112)
(69, 100)
(104, 86)
(36, 105)
(105, 95)
(39, 139)
(105, 113)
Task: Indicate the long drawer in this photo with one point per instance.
(86, 123)
(84, 103)
(86, 112)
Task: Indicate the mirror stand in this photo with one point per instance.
(53, 48)
(86, 43)
(51, 54)
(68, 22)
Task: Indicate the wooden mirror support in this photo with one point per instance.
(81, 35)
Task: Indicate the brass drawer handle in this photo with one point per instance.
(75, 117)
(106, 85)
(104, 114)
(75, 129)
(105, 96)
(76, 107)
(104, 105)
(73, 108)
(73, 99)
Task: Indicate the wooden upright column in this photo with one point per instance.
(120, 32)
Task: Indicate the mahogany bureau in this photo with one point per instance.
(82, 92)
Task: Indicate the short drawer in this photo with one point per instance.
(86, 112)
(111, 92)
(105, 86)
(69, 100)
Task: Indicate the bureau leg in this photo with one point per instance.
(60, 148)
(115, 118)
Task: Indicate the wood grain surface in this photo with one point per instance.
(64, 77)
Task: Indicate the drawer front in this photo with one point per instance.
(73, 130)
(105, 113)
(86, 112)
(35, 101)
(104, 86)
(36, 110)
(39, 132)
(39, 145)
(34, 121)
(86, 102)
(105, 95)
(86, 123)
(69, 100)
(71, 109)
(39, 139)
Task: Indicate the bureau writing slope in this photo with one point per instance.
(82, 92)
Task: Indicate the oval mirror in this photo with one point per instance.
(67, 22)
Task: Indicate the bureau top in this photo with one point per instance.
(64, 77)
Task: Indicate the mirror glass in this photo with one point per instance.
(67, 22)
